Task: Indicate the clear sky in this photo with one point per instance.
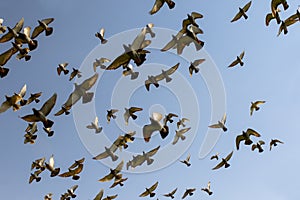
(270, 73)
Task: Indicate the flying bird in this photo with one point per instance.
(179, 134)
(62, 68)
(129, 112)
(12, 101)
(242, 12)
(74, 73)
(34, 97)
(224, 162)
(50, 166)
(25, 38)
(216, 156)
(41, 115)
(39, 164)
(118, 181)
(246, 136)
(276, 3)
(48, 196)
(274, 143)
(122, 141)
(238, 60)
(190, 20)
(220, 124)
(288, 22)
(75, 169)
(258, 145)
(187, 161)
(189, 191)
(100, 62)
(207, 189)
(181, 122)
(159, 3)
(43, 26)
(140, 159)
(35, 176)
(171, 194)
(109, 152)
(164, 75)
(255, 106)
(100, 35)
(155, 125)
(193, 66)
(70, 193)
(111, 114)
(150, 191)
(114, 173)
(168, 118)
(95, 125)
(271, 16)
(129, 71)
(80, 91)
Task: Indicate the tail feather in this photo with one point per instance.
(133, 116)
(48, 123)
(48, 31)
(134, 75)
(3, 72)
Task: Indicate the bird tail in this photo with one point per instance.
(55, 172)
(227, 165)
(164, 132)
(75, 177)
(32, 44)
(103, 41)
(156, 84)
(150, 161)
(152, 194)
(171, 4)
(224, 128)
(196, 69)
(23, 102)
(48, 31)
(27, 57)
(3, 72)
(168, 79)
(37, 100)
(38, 179)
(133, 116)
(66, 71)
(182, 137)
(48, 123)
(87, 97)
(134, 75)
(16, 107)
(114, 157)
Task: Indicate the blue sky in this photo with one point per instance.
(270, 73)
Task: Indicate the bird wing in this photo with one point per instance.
(238, 139)
(157, 5)
(196, 15)
(242, 55)
(170, 44)
(119, 167)
(252, 132)
(219, 165)
(88, 83)
(235, 62)
(48, 105)
(247, 6)
(101, 156)
(135, 109)
(123, 59)
(5, 106)
(153, 187)
(182, 131)
(260, 102)
(99, 195)
(229, 156)
(144, 194)
(215, 126)
(72, 99)
(148, 130)
(106, 178)
(237, 17)
(175, 140)
(67, 174)
(198, 62)
(269, 17)
(153, 151)
(4, 57)
(126, 116)
(23, 91)
(19, 25)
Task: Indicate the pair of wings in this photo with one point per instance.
(17, 97)
(171, 193)
(159, 3)
(240, 14)
(246, 136)
(112, 175)
(9, 35)
(187, 192)
(151, 189)
(237, 61)
(179, 134)
(222, 162)
(39, 29)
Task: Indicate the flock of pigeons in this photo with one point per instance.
(136, 52)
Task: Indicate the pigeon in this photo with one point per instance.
(216, 156)
(276, 3)
(271, 16)
(2, 28)
(34, 97)
(190, 20)
(62, 68)
(23, 52)
(150, 191)
(193, 67)
(242, 12)
(41, 115)
(48, 196)
(74, 170)
(129, 71)
(159, 3)
(110, 114)
(100, 62)
(118, 181)
(224, 162)
(255, 106)
(284, 24)
(29, 138)
(274, 143)
(164, 75)
(207, 189)
(186, 161)
(70, 193)
(109, 152)
(129, 112)
(100, 35)
(12, 32)
(24, 38)
(168, 118)
(179, 134)
(155, 125)
(122, 141)
(43, 26)
(181, 122)
(35, 176)
(95, 125)
(39, 164)
(258, 145)
(238, 60)
(114, 173)
(189, 191)
(99, 195)
(80, 91)
(50, 166)
(220, 124)
(74, 73)
(12, 101)
(171, 194)
(140, 159)
(246, 136)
